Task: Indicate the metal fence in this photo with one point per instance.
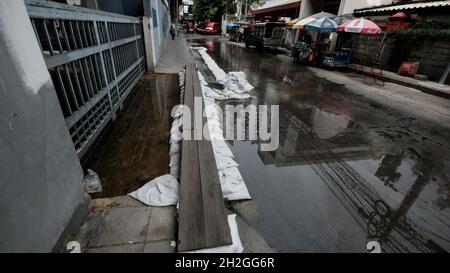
(95, 59)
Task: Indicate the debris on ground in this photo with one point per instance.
(92, 183)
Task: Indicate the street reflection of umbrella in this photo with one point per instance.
(360, 25)
(322, 25)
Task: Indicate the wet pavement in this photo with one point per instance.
(134, 148)
(348, 170)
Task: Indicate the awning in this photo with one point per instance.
(410, 6)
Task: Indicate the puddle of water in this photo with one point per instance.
(348, 170)
(134, 148)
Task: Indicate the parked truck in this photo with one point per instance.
(262, 35)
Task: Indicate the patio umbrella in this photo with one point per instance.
(309, 19)
(293, 22)
(343, 18)
(301, 24)
(359, 25)
(322, 14)
(341, 27)
(322, 25)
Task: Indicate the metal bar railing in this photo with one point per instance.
(95, 59)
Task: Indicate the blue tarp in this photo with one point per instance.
(232, 25)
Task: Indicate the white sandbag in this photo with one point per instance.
(224, 162)
(237, 82)
(178, 111)
(224, 151)
(235, 247)
(212, 94)
(234, 189)
(175, 129)
(231, 182)
(174, 148)
(159, 192)
(174, 159)
(234, 82)
(219, 74)
(232, 95)
(175, 171)
(177, 123)
(201, 78)
(91, 182)
(232, 174)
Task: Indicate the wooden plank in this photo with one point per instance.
(191, 231)
(202, 216)
(217, 231)
(189, 88)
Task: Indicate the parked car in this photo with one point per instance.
(200, 27)
(212, 28)
(263, 35)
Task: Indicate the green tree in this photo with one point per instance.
(213, 9)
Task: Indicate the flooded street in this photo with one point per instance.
(348, 170)
(134, 148)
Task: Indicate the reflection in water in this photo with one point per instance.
(328, 125)
(387, 172)
(391, 181)
(134, 148)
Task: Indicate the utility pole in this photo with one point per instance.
(246, 8)
(177, 12)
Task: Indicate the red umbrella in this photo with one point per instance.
(341, 27)
(359, 25)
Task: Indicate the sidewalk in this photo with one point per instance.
(175, 55)
(408, 99)
(425, 86)
(134, 151)
(122, 224)
(429, 87)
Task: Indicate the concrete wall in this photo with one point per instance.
(308, 7)
(40, 174)
(126, 7)
(348, 6)
(159, 16)
(115, 6)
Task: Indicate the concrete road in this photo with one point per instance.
(356, 163)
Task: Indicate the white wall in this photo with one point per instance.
(348, 6)
(308, 7)
(158, 33)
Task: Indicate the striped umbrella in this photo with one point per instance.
(293, 22)
(303, 21)
(359, 25)
(301, 24)
(322, 25)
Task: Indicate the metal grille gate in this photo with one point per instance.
(95, 59)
